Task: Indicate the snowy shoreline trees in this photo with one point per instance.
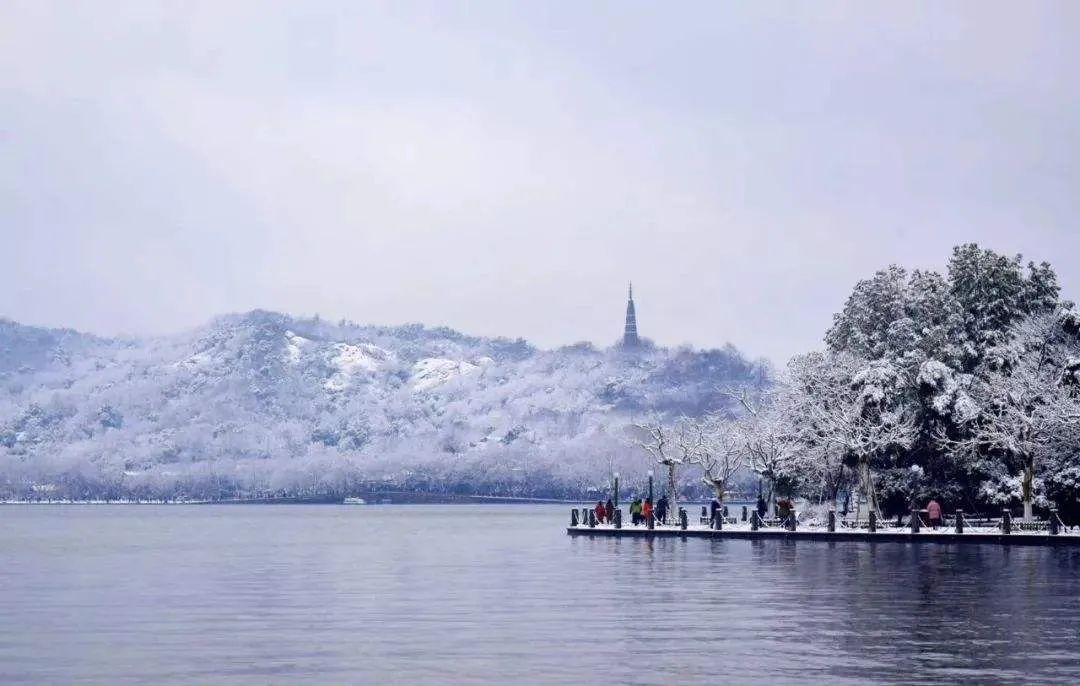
(964, 387)
(263, 404)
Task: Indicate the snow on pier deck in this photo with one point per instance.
(739, 531)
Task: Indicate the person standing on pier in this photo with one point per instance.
(635, 511)
(610, 508)
(646, 510)
(933, 513)
(662, 509)
(601, 513)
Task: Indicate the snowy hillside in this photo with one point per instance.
(265, 403)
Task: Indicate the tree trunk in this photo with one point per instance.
(867, 483)
(718, 488)
(672, 494)
(1027, 489)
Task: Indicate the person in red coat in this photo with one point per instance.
(933, 513)
(601, 512)
(646, 510)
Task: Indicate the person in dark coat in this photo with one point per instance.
(661, 509)
(761, 506)
(784, 509)
(714, 508)
(610, 507)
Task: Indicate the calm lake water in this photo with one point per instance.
(499, 594)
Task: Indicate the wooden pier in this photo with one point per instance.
(808, 534)
(1003, 534)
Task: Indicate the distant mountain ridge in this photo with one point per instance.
(263, 403)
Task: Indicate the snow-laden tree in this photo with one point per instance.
(994, 293)
(764, 432)
(901, 317)
(658, 438)
(1029, 409)
(819, 461)
(713, 444)
(841, 406)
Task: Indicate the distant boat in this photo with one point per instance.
(355, 501)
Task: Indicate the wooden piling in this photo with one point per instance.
(915, 521)
(959, 521)
(1006, 522)
(573, 517)
(872, 521)
(832, 521)
(1054, 522)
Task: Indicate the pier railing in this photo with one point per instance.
(749, 519)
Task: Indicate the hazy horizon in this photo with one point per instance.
(505, 170)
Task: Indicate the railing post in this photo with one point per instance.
(618, 518)
(719, 523)
(592, 519)
(651, 522)
(1054, 522)
(754, 520)
(682, 519)
(873, 521)
(1006, 522)
(832, 521)
(705, 515)
(959, 521)
(744, 513)
(915, 522)
(573, 517)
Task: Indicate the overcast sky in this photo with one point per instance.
(505, 168)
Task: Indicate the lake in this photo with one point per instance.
(498, 594)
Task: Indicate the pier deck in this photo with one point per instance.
(821, 534)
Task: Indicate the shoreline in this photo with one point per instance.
(373, 499)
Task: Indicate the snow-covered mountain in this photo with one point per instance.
(265, 403)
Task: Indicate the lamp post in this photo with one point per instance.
(616, 475)
(650, 485)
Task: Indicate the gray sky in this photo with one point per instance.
(505, 168)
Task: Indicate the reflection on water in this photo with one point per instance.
(497, 594)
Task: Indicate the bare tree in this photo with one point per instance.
(658, 440)
(765, 437)
(714, 445)
(847, 411)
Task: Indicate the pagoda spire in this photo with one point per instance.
(630, 334)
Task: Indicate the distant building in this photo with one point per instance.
(630, 337)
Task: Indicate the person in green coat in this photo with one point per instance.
(635, 511)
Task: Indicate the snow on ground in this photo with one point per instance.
(435, 371)
(350, 360)
(294, 346)
(195, 361)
